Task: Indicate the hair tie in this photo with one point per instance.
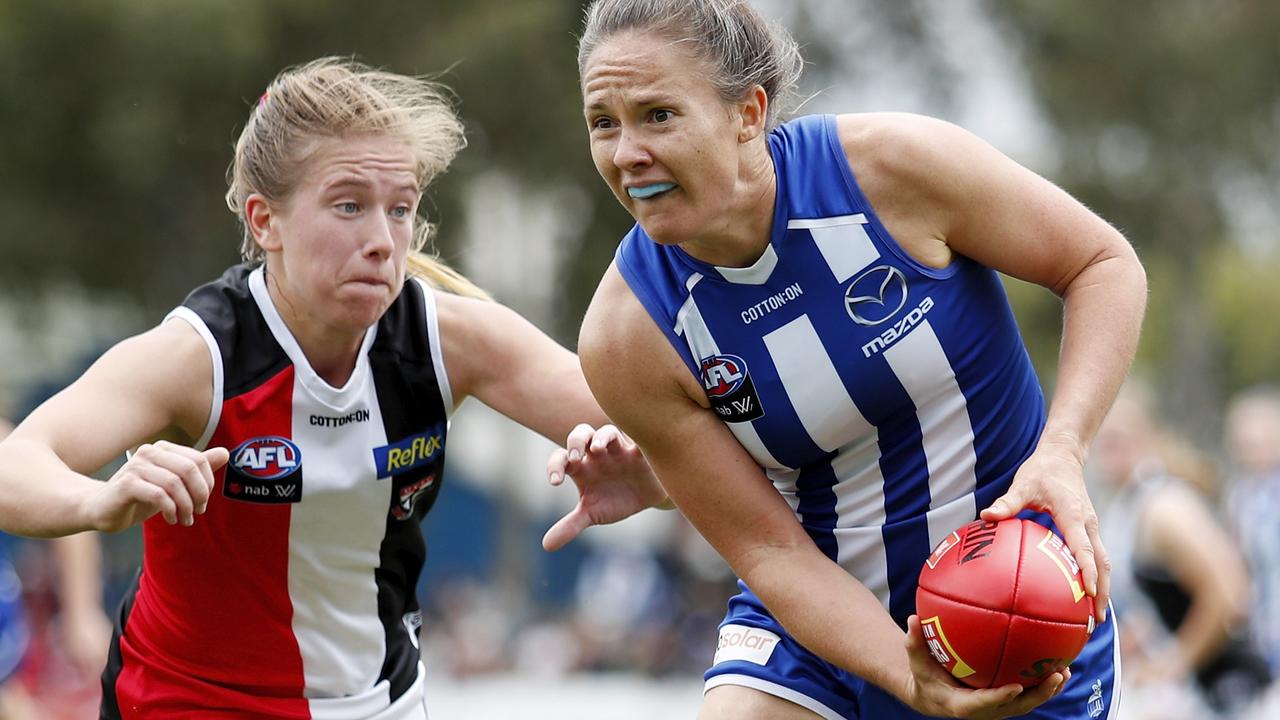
(263, 100)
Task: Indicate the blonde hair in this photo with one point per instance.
(334, 98)
(1176, 452)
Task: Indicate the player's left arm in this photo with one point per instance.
(497, 356)
(1206, 563)
(981, 204)
(85, 629)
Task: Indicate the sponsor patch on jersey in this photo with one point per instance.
(407, 497)
(265, 469)
(410, 453)
(876, 295)
(740, 642)
(729, 388)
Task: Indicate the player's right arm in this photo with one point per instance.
(152, 392)
(647, 391)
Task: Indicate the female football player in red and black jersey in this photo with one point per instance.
(287, 423)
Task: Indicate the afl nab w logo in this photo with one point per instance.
(729, 388)
(876, 295)
(723, 374)
(265, 470)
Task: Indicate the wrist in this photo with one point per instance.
(1064, 443)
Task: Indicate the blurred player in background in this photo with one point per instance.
(1252, 441)
(288, 422)
(1179, 579)
(83, 630)
(848, 383)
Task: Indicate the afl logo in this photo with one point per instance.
(266, 458)
(722, 375)
(876, 295)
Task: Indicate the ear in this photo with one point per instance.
(258, 217)
(753, 112)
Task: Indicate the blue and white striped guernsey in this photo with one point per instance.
(887, 401)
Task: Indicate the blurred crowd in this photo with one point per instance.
(1195, 551)
(1193, 539)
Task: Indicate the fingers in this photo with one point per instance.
(1035, 696)
(1103, 563)
(1080, 531)
(143, 497)
(604, 437)
(191, 468)
(576, 444)
(173, 480)
(217, 457)
(566, 529)
(583, 442)
(556, 466)
(1005, 506)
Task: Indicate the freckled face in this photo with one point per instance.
(661, 136)
(344, 232)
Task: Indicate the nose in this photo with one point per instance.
(631, 153)
(379, 240)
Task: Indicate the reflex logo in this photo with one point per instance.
(409, 453)
(729, 388)
(266, 469)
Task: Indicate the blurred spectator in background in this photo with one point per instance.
(53, 631)
(1179, 580)
(1252, 443)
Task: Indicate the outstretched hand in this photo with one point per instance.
(932, 691)
(614, 481)
(1052, 481)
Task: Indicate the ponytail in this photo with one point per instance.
(442, 277)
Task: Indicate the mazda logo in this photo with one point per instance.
(876, 295)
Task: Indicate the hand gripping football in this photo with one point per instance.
(1003, 603)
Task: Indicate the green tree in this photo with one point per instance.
(1159, 105)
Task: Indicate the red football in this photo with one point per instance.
(1003, 603)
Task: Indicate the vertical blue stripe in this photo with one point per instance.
(818, 505)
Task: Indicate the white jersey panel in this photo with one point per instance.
(691, 325)
(335, 536)
(816, 392)
(921, 365)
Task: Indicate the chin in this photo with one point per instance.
(665, 232)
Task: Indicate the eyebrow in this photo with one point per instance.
(344, 181)
(355, 181)
(641, 100)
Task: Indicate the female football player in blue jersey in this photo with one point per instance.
(806, 334)
(288, 423)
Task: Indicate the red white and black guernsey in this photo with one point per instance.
(293, 595)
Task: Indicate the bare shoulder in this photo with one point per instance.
(172, 365)
(155, 385)
(625, 355)
(910, 168)
(897, 140)
(613, 319)
(473, 332)
(893, 154)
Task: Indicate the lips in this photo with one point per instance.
(371, 281)
(649, 191)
